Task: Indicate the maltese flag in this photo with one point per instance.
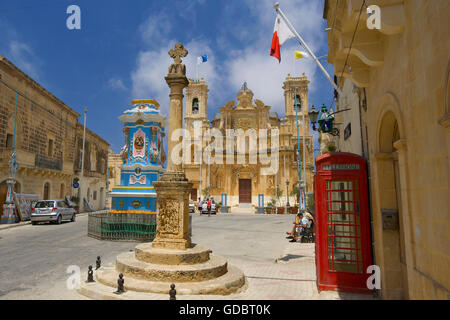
(281, 33)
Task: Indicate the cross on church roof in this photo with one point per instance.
(177, 52)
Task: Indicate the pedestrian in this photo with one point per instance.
(208, 205)
(200, 202)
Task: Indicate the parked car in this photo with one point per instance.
(191, 206)
(204, 208)
(52, 211)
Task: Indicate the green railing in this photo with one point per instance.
(122, 226)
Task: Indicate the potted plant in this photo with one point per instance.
(269, 208)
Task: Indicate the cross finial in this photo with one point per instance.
(177, 52)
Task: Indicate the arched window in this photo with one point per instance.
(195, 106)
(46, 191)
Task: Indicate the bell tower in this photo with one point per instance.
(196, 104)
(296, 88)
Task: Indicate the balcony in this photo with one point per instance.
(47, 163)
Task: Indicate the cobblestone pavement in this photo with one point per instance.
(275, 269)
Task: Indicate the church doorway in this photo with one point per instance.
(245, 190)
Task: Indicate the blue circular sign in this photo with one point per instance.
(76, 185)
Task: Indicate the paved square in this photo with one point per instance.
(35, 258)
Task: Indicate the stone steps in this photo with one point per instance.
(127, 264)
(148, 270)
(233, 281)
(194, 255)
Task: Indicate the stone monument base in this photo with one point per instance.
(194, 271)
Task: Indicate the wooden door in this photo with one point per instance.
(194, 194)
(245, 190)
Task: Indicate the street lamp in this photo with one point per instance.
(287, 195)
(313, 114)
(326, 120)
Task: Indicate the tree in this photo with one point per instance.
(206, 192)
(277, 194)
(310, 202)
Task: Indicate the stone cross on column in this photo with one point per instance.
(173, 188)
(177, 52)
(177, 81)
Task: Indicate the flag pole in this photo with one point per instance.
(302, 42)
(196, 68)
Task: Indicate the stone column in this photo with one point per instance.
(173, 189)
(176, 84)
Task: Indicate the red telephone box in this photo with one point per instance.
(343, 242)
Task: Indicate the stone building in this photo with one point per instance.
(47, 133)
(114, 163)
(93, 182)
(240, 177)
(396, 82)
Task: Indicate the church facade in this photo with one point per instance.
(250, 171)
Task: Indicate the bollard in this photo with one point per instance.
(90, 275)
(98, 263)
(120, 282)
(172, 292)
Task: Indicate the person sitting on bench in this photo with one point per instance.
(303, 223)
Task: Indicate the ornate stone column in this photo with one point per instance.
(173, 188)
(9, 208)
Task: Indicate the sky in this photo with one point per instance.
(120, 52)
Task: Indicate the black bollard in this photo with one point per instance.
(172, 292)
(98, 263)
(90, 275)
(120, 282)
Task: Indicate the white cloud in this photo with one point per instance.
(22, 56)
(152, 67)
(155, 28)
(248, 62)
(116, 84)
(264, 76)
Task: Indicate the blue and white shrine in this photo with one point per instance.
(143, 159)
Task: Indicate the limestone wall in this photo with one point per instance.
(47, 136)
(405, 73)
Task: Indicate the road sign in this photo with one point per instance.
(76, 185)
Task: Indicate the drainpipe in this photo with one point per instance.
(369, 178)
